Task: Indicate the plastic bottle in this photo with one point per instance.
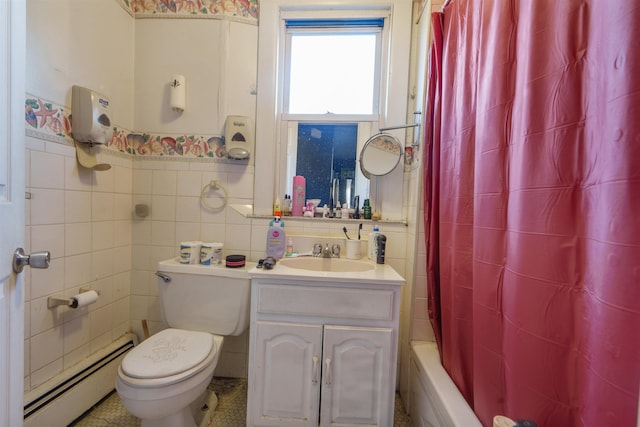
(345, 211)
(289, 250)
(366, 209)
(372, 253)
(286, 207)
(276, 238)
(325, 211)
(277, 210)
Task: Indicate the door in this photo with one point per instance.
(357, 376)
(287, 374)
(12, 96)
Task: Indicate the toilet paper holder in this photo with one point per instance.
(69, 302)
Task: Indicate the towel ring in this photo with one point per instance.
(213, 185)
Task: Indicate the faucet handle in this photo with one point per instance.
(335, 251)
(317, 249)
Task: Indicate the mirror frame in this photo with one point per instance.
(375, 141)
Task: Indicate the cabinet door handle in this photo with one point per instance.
(327, 380)
(314, 373)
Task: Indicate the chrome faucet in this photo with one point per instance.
(326, 252)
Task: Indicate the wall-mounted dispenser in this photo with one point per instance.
(90, 125)
(90, 116)
(238, 137)
(178, 93)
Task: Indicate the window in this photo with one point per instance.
(332, 70)
(276, 125)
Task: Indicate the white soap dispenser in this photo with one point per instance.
(238, 137)
(90, 120)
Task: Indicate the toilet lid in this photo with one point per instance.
(167, 353)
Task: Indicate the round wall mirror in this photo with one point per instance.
(380, 155)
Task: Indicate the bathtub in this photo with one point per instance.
(435, 400)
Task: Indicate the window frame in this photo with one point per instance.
(324, 27)
(367, 123)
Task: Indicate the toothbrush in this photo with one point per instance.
(345, 232)
(359, 228)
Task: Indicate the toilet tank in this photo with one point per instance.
(206, 298)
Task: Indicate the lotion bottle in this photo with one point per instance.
(276, 239)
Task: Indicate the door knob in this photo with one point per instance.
(35, 260)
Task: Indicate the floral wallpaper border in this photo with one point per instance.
(46, 120)
(241, 10)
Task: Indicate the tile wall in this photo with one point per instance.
(84, 219)
(172, 190)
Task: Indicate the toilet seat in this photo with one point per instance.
(168, 357)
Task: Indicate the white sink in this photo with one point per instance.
(336, 265)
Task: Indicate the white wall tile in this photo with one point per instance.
(164, 182)
(142, 181)
(102, 206)
(141, 232)
(45, 348)
(47, 170)
(122, 259)
(76, 334)
(121, 285)
(189, 183)
(186, 231)
(47, 206)
(47, 281)
(122, 206)
(48, 238)
(163, 208)
(103, 181)
(163, 233)
(188, 209)
(123, 180)
(122, 233)
(77, 270)
(43, 318)
(101, 235)
(101, 264)
(77, 206)
(77, 238)
(100, 321)
(76, 177)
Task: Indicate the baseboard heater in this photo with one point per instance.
(70, 394)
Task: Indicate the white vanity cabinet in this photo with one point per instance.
(322, 353)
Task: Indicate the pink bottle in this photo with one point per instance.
(298, 198)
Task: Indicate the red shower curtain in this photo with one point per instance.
(532, 207)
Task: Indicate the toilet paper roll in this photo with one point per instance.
(211, 253)
(84, 299)
(190, 252)
(178, 90)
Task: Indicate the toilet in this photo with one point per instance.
(164, 380)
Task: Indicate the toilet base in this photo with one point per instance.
(198, 414)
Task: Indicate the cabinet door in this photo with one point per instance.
(357, 377)
(287, 374)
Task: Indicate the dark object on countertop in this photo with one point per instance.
(235, 261)
(381, 239)
(269, 263)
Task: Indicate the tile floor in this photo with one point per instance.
(231, 410)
